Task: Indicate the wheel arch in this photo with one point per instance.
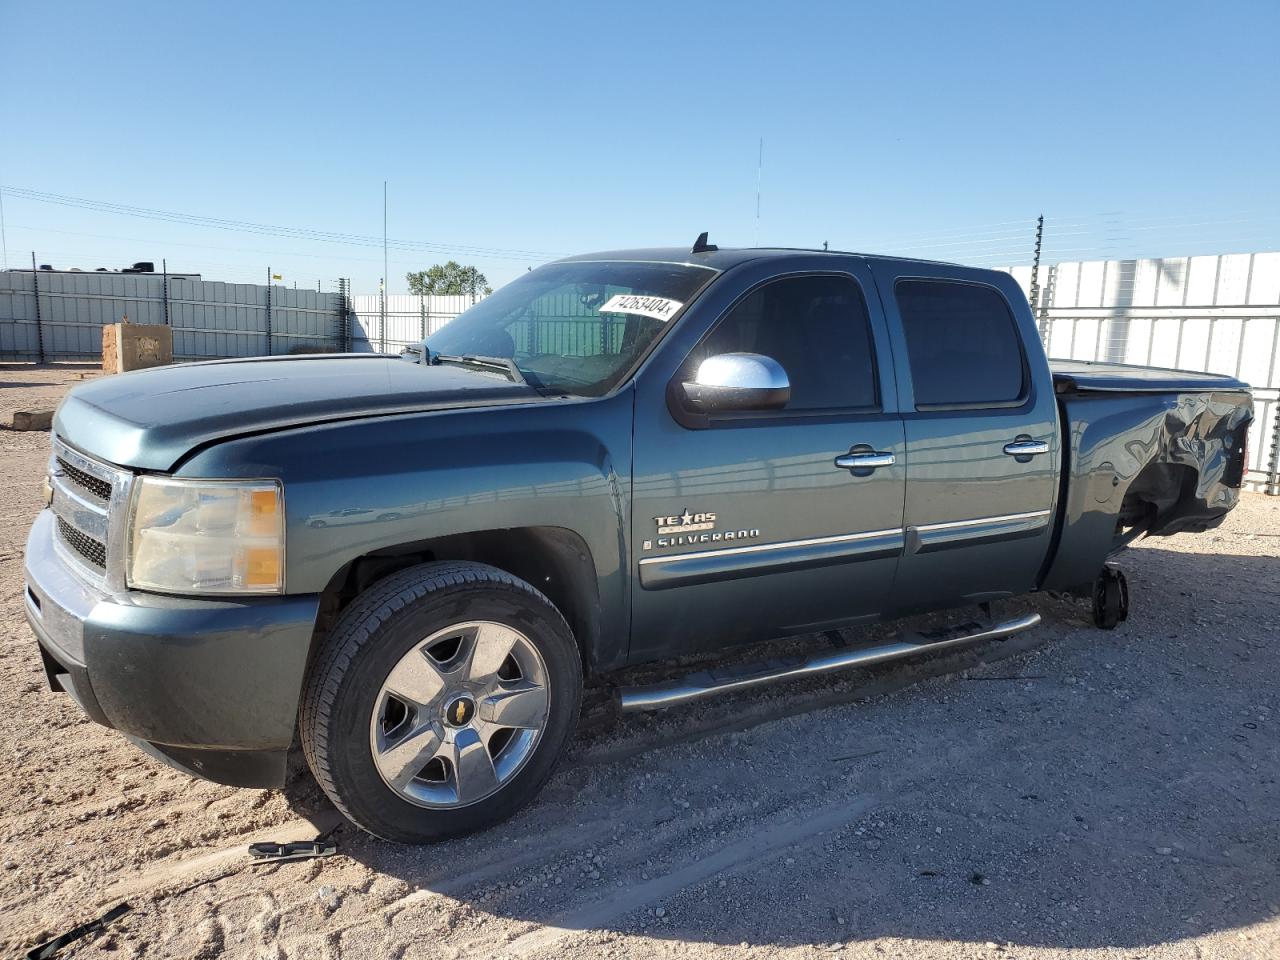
(555, 560)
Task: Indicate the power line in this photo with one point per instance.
(345, 258)
(245, 226)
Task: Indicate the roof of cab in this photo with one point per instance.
(724, 258)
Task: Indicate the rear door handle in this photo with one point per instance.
(865, 461)
(1026, 448)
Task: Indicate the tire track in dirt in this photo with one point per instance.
(734, 839)
(738, 855)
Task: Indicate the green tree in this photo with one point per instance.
(448, 279)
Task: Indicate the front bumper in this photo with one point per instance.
(210, 686)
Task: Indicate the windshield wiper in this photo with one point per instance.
(502, 364)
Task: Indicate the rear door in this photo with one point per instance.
(744, 526)
(981, 433)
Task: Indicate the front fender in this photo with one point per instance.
(363, 486)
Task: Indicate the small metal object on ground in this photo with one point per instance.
(51, 947)
(298, 850)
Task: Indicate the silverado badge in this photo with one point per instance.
(687, 528)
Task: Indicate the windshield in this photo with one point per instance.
(574, 327)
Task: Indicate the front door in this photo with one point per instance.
(981, 434)
(744, 526)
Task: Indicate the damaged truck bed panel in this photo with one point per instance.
(1151, 452)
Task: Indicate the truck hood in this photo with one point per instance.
(150, 419)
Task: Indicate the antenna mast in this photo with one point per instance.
(759, 177)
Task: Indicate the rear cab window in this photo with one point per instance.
(963, 345)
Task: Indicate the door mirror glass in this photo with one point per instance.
(738, 381)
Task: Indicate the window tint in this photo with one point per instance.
(553, 325)
(817, 328)
(962, 343)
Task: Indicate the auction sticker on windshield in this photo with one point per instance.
(660, 308)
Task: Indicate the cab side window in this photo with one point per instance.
(816, 327)
(962, 344)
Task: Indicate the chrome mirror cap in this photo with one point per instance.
(739, 381)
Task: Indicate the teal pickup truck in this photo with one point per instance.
(408, 565)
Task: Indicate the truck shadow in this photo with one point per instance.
(1117, 789)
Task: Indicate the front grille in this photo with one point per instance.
(85, 481)
(94, 551)
(86, 494)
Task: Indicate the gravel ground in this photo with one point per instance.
(1069, 793)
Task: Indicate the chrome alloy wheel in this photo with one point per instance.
(460, 714)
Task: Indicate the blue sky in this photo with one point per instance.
(532, 130)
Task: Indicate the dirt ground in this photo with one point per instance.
(1069, 793)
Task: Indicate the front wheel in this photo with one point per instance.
(441, 701)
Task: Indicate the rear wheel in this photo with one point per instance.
(1110, 599)
(441, 701)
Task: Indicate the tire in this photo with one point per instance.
(1110, 599)
(352, 712)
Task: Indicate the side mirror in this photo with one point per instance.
(738, 381)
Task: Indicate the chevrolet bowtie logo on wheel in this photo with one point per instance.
(460, 712)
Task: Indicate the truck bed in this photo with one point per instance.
(1147, 452)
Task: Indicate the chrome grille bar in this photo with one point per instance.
(89, 500)
(94, 551)
(87, 482)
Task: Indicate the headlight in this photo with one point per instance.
(206, 536)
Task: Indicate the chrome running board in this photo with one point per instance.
(709, 683)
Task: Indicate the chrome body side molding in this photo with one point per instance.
(706, 566)
(928, 537)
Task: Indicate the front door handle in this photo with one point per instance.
(1026, 448)
(865, 461)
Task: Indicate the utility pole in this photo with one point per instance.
(4, 243)
(35, 289)
(1035, 276)
(383, 323)
(268, 311)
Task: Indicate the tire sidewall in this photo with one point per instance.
(364, 795)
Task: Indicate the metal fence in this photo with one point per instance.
(48, 316)
(1217, 314)
(409, 319)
